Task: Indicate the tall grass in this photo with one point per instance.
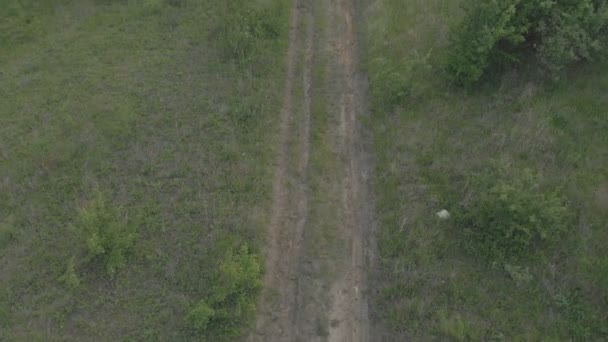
(431, 140)
(135, 99)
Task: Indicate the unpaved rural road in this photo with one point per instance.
(300, 303)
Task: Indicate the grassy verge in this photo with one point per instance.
(134, 166)
(431, 141)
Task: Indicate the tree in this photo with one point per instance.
(555, 33)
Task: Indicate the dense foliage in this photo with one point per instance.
(512, 217)
(502, 32)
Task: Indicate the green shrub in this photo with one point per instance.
(232, 301)
(108, 236)
(487, 23)
(502, 32)
(573, 33)
(510, 216)
(200, 315)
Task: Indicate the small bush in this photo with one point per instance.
(200, 316)
(108, 237)
(232, 302)
(511, 217)
(556, 33)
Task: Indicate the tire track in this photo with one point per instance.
(278, 312)
(349, 306)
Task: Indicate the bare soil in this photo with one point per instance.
(289, 309)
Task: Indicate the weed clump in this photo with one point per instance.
(70, 278)
(233, 296)
(511, 218)
(108, 237)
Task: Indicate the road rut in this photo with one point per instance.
(289, 309)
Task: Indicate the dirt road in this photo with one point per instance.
(311, 293)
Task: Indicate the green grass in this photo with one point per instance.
(431, 138)
(138, 100)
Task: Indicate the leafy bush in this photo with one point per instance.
(107, 235)
(487, 24)
(200, 316)
(573, 33)
(511, 217)
(233, 297)
(501, 32)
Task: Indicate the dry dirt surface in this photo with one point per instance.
(288, 310)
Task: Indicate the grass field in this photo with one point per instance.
(136, 174)
(150, 117)
(431, 139)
